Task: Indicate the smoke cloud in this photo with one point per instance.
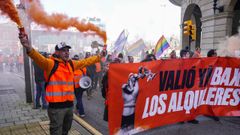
(8, 8)
(60, 21)
(231, 47)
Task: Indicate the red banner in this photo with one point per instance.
(151, 94)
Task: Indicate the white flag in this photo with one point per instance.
(120, 42)
(136, 47)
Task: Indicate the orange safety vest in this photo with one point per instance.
(98, 67)
(61, 86)
(77, 76)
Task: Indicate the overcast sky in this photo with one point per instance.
(147, 19)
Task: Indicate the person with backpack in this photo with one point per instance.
(60, 85)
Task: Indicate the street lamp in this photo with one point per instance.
(29, 85)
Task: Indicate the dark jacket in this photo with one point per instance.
(38, 73)
(104, 95)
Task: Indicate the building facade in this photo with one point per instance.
(215, 20)
(9, 42)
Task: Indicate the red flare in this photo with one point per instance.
(8, 8)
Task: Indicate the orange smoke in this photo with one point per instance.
(60, 21)
(7, 7)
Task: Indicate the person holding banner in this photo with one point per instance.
(149, 57)
(120, 56)
(212, 53)
(186, 54)
(60, 88)
(104, 88)
(197, 53)
(173, 54)
(130, 59)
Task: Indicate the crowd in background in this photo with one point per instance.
(97, 72)
(11, 63)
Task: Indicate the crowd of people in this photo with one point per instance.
(57, 78)
(128, 119)
(11, 63)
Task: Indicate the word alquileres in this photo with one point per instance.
(224, 90)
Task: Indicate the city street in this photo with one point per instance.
(14, 112)
(172, 67)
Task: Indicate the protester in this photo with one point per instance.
(173, 54)
(91, 72)
(152, 51)
(120, 56)
(149, 57)
(186, 54)
(130, 59)
(197, 53)
(75, 57)
(104, 89)
(104, 95)
(60, 87)
(182, 53)
(103, 64)
(109, 58)
(212, 53)
(20, 63)
(40, 85)
(188, 50)
(97, 78)
(78, 90)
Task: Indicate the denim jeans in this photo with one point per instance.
(40, 93)
(78, 93)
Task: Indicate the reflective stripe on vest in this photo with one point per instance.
(61, 86)
(60, 83)
(59, 93)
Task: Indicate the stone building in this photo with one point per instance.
(215, 20)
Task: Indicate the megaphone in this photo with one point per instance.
(85, 82)
(95, 44)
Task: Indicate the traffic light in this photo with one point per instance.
(193, 32)
(187, 27)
